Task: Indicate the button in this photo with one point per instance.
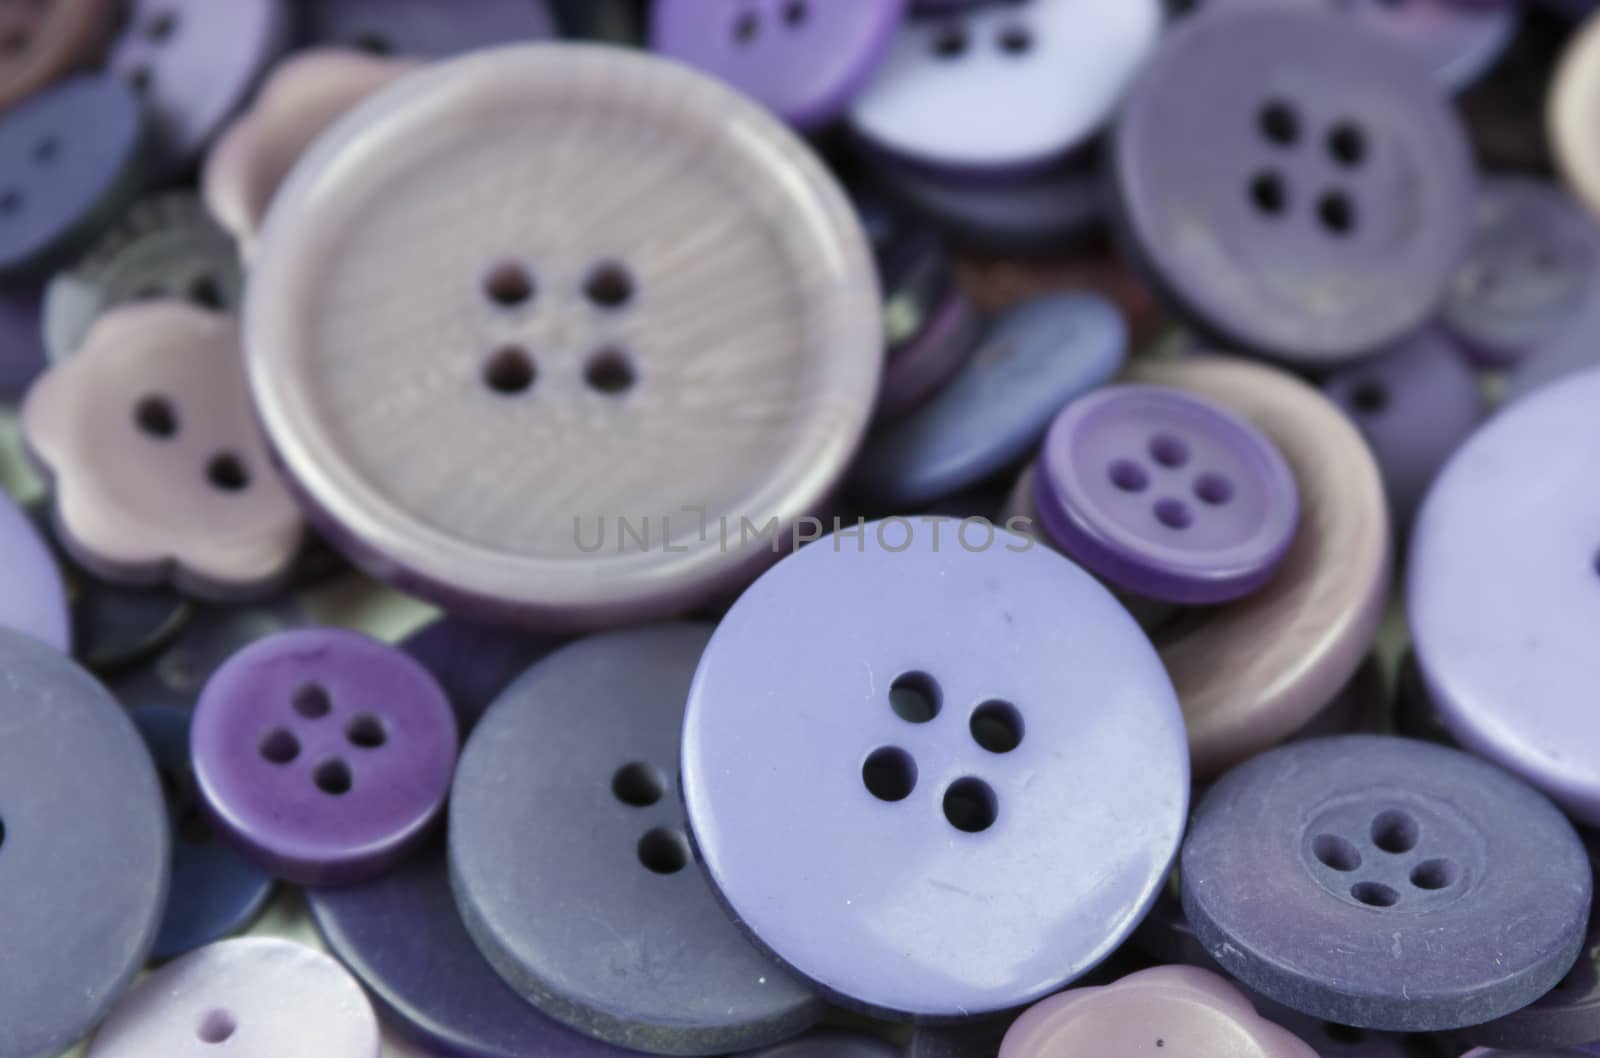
(581, 755)
(83, 850)
(74, 155)
(473, 662)
(21, 348)
(978, 1040)
(324, 755)
(1292, 184)
(215, 891)
(35, 600)
(1332, 1040)
(1513, 518)
(1569, 351)
(926, 361)
(177, 674)
(830, 1043)
(1457, 42)
(957, 693)
(1351, 879)
(1503, 108)
(1035, 357)
(302, 96)
(427, 976)
(1191, 1010)
(259, 996)
(157, 397)
(567, 370)
(1166, 495)
(913, 270)
(424, 27)
(1570, 109)
(41, 42)
(805, 59)
(164, 247)
(195, 62)
(1254, 671)
(1414, 404)
(1533, 265)
(1054, 68)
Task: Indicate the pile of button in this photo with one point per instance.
(799, 528)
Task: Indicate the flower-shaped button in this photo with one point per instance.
(302, 96)
(157, 466)
(1168, 1009)
(1054, 68)
(1352, 878)
(913, 709)
(803, 58)
(324, 755)
(1166, 495)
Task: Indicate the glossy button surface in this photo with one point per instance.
(1503, 591)
(803, 58)
(1352, 878)
(1055, 68)
(256, 997)
(1293, 183)
(324, 755)
(620, 935)
(1192, 1012)
(913, 714)
(83, 850)
(157, 467)
(1166, 495)
(710, 349)
(1252, 672)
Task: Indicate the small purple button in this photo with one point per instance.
(1166, 495)
(805, 59)
(323, 754)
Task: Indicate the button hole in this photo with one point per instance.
(312, 701)
(915, 697)
(970, 805)
(333, 777)
(889, 773)
(637, 784)
(365, 731)
(664, 850)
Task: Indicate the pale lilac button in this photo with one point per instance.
(803, 58)
(158, 469)
(1252, 672)
(255, 997)
(302, 96)
(1182, 1010)
(323, 755)
(1055, 70)
(678, 338)
(1166, 495)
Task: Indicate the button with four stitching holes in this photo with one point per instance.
(1165, 494)
(323, 755)
(84, 850)
(706, 353)
(1355, 878)
(878, 745)
(1292, 182)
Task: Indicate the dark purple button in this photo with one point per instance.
(958, 692)
(805, 59)
(1292, 182)
(403, 937)
(22, 355)
(1414, 404)
(1166, 495)
(1355, 879)
(324, 755)
(73, 156)
(211, 636)
(83, 850)
(1503, 592)
(926, 361)
(424, 27)
(474, 662)
(618, 933)
(34, 600)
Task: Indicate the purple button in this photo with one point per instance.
(1503, 592)
(324, 755)
(1352, 878)
(195, 62)
(473, 662)
(257, 997)
(22, 355)
(805, 59)
(1184, 1009)
(1414, 404)
(1166, 495)
(34, 601)
(927, 360)
(424, 27)
(958, 692)
(1054, 68)
(1533, 265)
(1293, 183)
(1457, 40)
(83, 850)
